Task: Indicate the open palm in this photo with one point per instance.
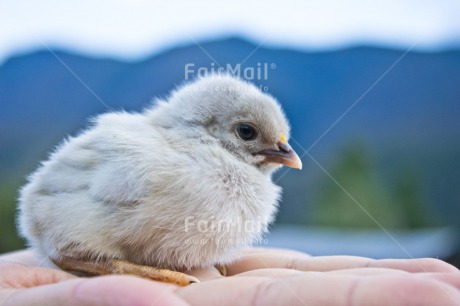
(260, 277)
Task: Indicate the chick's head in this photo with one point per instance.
(247, 122)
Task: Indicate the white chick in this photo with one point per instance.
(184, 184)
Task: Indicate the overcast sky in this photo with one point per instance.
(130, 29)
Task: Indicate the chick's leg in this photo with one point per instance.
(115, 266)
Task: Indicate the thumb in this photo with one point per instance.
(105, 290)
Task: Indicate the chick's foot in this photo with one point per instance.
(116, 266)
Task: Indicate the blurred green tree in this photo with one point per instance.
(396, 205)
(409, 197)
(9, 239)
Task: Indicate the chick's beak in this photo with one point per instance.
(285, 155)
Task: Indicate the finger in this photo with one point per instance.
(408, 289)
(416, 265)
(274, 251)
(14, 275)
(368, 272)
(286, 273)
(257, 259)
(322, 289)
(105, 290)
(263, 258)
(451, 278)
(271, 273)
(260, 260)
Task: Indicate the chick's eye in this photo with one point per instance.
(246, 131)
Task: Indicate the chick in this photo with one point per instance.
(184, 184)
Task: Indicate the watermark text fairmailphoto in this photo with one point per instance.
(258, 72)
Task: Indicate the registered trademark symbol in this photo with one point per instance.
(272, 66)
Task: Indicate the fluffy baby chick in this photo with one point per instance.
(184, 184)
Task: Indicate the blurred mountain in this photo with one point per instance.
(406, 108)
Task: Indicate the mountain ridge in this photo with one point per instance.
(410, 109)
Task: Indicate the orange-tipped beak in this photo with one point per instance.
(285, 155)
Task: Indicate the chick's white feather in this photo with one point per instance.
(171, 187)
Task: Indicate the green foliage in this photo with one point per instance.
(408, 195)
(9, 240)
(363, 200)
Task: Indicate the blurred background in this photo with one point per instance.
(372, 90)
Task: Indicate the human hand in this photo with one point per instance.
(261, 276)
(24, 282)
